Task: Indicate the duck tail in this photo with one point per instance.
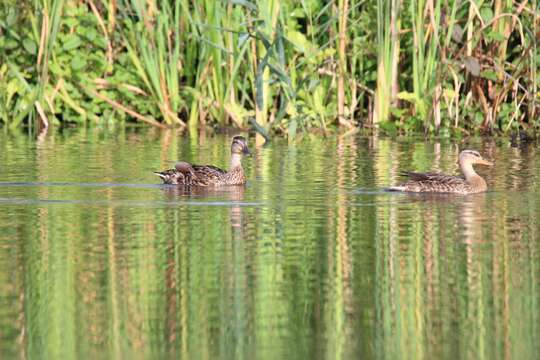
(163, 175)
(396, 188)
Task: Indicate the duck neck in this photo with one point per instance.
(468, 170)
(471, 176)
(236, 161)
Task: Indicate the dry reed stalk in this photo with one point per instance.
(127, 110)
(343, 9)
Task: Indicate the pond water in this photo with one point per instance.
(311, 260)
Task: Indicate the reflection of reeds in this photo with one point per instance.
(340, 301)
(426, 276)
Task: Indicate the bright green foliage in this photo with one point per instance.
(153, 46)
(271, 64)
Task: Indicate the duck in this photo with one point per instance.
(431, 182)
(188, 174)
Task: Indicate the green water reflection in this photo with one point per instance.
(310, 260)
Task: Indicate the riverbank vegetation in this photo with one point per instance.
(276, 66)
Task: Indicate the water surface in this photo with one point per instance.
(312, 259)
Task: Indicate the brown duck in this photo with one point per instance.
(470, 183)
(207, 175)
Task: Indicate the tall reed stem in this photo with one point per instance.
(50, 20)
(388, 25)
(343, 8)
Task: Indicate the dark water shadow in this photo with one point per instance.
(73, 184)
(175, 195)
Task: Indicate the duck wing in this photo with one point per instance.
(204, 175)
(208, 170)
(188, 174)
(432, 176)
(432, 182)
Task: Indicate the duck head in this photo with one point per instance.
(472, 157)
(239, 146)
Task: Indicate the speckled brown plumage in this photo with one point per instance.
(440, 183)
(436, 182)
(208, 175)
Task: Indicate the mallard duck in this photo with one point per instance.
(440, 183)
(207, 175)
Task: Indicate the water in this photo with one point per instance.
(311, 260)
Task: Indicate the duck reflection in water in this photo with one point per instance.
(467, 214)
(230, 196)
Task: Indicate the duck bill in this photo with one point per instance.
(484, 162)
(245, 151)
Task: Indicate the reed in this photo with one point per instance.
(153, 46)
(23, 93)
(267, 32)
(49, 21)
(278, 66)
(388, 47)
(424, 50)
(343, 9)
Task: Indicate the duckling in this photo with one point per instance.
(440, 183)
(188, 174)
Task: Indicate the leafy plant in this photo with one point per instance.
(277, 66)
